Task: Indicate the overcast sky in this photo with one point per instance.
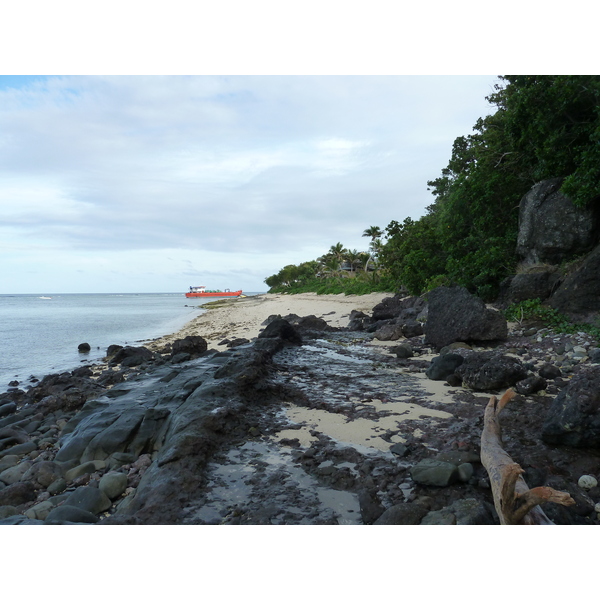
(150, 183)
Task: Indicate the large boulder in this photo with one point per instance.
(528, 286)
(551, 227)
(396, 306)
(488, 371)
(574, 417)
(455, 315)
(579, 293)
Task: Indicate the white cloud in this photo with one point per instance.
(104, 172)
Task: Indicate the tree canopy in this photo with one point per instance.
(543, 126)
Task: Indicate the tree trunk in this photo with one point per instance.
(515, 503)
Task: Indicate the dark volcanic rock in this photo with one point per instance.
(280, 328)
(552, 228)
(466, 511)
(70, 514)
(402, 514)
(194, 345)
(488, 371)
(131, 356)
(17, 493)
(455, 315)
(548, 371)
(579, 293)
(388, 308)
(389, 332)
(531, 385)
(574, 417)
(412, 329)
(84, 348)
(527, 286)
(434, 472)
(444, 365)
(370, 507)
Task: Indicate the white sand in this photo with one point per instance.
(243, 317)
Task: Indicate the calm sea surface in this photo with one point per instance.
(40, 334)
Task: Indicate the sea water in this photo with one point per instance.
(40, 334)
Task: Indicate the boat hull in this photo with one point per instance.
(212, 294)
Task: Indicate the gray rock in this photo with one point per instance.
(399, 449)
(488, 371)
(434, 472)
(389, 332)
(574, 416)
(69, 514)
(20, 449)
(7, 409)
(455, 315)
(87, 467)
(594, 355)
(370, 506)
(531, 385)
(551, 228)
(20, 520)
(466, 511)
(88, 498)
(39, 511)
(439, 517)
(194, 345)
(15, 473)
(44, 473)
(57, 487)
(8, 461)
(465, 472)
(8, 511)
(403, 351)
(579, 293)
(412, 329)
(528, 286)
(113, 484)
(444, 365)
(548, 371)
(280, 328)
(402, 514)
(17, 494)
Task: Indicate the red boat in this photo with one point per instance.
(200, 291)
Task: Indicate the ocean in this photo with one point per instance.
(40, 334)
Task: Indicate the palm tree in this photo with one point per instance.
(354, 258)
(375, 234)
(338, 251)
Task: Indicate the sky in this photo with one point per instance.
(155, 183)
(149, 147)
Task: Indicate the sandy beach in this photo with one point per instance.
(243, 317)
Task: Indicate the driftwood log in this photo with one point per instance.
(515, 503)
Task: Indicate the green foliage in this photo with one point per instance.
(544, 126)
(534, 310)
(338, 285)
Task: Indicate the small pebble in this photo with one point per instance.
(587, 482)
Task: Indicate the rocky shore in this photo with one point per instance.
(362, 410)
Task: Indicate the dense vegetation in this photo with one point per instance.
(543, 126)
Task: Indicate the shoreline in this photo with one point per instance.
(244, 317)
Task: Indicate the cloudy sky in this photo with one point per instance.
(156, 183)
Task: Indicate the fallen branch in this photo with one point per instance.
(515, 503)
